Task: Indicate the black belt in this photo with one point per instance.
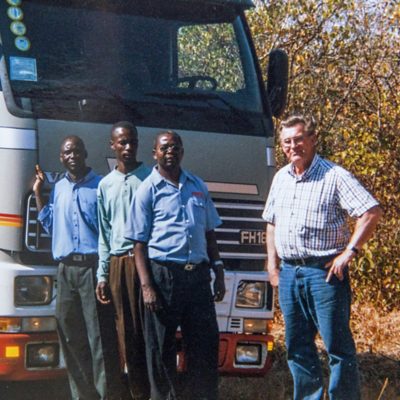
(80, 259)
(186, 267)
(308, 260)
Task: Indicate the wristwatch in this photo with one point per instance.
(217, 263)
(353, 249)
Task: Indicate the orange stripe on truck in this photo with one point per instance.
(13, 220)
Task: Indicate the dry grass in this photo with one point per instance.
(378, 344)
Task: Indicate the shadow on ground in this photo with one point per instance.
(379, 375)
(35, 390)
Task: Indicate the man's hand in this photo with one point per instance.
(37, 186)
(219, 285)
(103, 293)
(150, 298)
(339, 264)
(274, 276)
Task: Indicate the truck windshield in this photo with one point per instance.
(183, 64)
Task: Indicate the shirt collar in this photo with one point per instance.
(158, 179)
(133, 172)
(88, 177)
(308, 172)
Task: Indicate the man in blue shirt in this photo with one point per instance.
(70, 216)
(172, 223)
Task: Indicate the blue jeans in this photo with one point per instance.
(310, 305)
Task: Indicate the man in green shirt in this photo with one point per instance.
(116, 275)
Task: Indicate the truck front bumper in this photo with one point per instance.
(239, 354)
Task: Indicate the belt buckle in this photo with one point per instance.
(78, 257)
(189, 267)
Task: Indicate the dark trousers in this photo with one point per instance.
(187, 302)
(125, 290)
(88, 344)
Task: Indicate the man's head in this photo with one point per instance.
(73, 155)
(124, 143)
(168, 150)
(298, 139)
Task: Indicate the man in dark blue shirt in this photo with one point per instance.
(172, 223)
(70, 216)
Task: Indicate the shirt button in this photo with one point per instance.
(187, 221)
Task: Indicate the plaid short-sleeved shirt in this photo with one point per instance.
(309, 212)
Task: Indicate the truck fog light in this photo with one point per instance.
(249, 354)
(42, 355)
(255, 325)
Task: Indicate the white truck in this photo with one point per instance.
(77, 67)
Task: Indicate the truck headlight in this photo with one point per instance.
(249, 354)
(33, 290)
(250, 294)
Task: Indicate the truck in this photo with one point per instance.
(77, 67)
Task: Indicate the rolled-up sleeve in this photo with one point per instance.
(45, 216)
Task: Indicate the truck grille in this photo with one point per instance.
(242, 233)
(36, 239)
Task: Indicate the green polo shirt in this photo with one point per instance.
(114, 196)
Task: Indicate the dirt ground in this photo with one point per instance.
(378, 344)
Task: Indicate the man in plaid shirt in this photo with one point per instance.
(309, 247)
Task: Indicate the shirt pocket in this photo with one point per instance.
(198, 207)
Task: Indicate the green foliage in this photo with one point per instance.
(344, 69)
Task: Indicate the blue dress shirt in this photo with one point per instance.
(173, 220)
(70, 216)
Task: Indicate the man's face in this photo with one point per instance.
(298, 146)
(124, 143)
(73, 156)
(168, 152)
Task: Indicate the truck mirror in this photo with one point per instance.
(277, 84)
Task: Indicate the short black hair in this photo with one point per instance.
(126, 125)
(162, 133)
(74, 138)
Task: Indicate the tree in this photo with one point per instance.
(344, 58)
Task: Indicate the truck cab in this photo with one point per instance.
(77, 67)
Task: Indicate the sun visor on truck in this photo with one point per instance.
(241, 3)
